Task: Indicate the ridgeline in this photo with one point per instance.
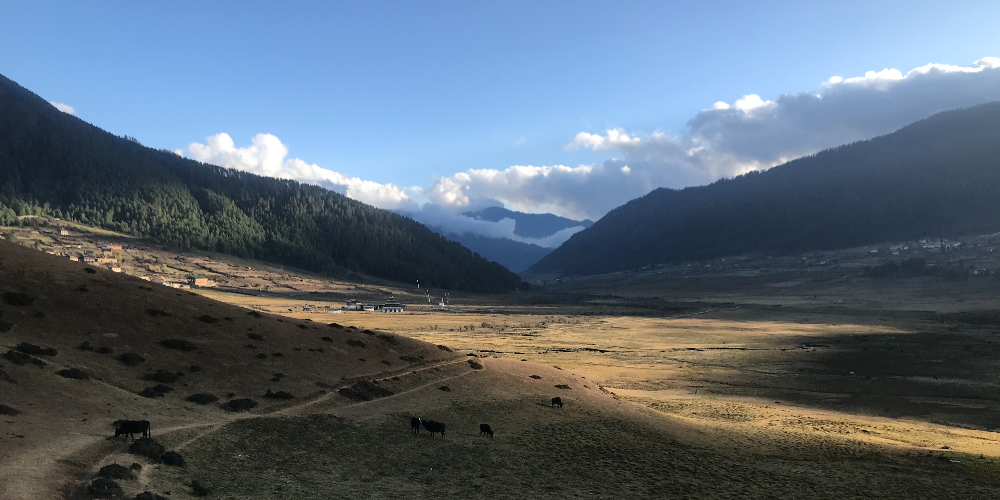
(936, 177)
(55, 164)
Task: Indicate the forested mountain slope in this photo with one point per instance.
(936, 177)
(55, 164)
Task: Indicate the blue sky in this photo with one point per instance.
(411, 92)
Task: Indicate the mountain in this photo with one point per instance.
(55, 164)
(513, 255)
(936, 177)
(529, 225)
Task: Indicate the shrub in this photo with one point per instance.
(410, 359)
(304, 327)
(103, 487)
(146, 495)
(172, 458)
(131, 359)
(8, 411)
(203, 398)
(179, 344)
(536, 377)
(356, 343)
(326, 339)
(18, 299)
(207, 319)
(147, 447)
(163, 376)
(242, 404)
(115, 471)
(20, 358)
(444, 388)
(336, 325)
(365, 390)
(277, 355)
(85, 346)
(35, 349)
(563, 386)
(151, 393)
(136, 466)
(163, 388)
(200, 490)
(255, 314)
(278, 395)
(261, 356)
(73, 373)
(445, 348)
(89, 270)
(389, 339)
(255, 336)
(475, 365)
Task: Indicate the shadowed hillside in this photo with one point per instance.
(52, 163)
(937, 177)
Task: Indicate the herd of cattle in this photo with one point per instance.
(129, 428)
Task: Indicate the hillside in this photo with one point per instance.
(938, 177)
(513, 255)
(55, 164)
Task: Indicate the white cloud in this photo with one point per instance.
(726, 140)
(65, 108)
(445, 221)
(267, 156)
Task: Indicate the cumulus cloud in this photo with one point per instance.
(65, 108)
(268, 156)
(724, 140)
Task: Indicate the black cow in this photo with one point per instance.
(485, 430)
(130, 427)
(557, 401)
(433, 427)
(415, 425)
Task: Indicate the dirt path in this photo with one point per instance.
(104, 450)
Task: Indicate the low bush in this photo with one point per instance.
(444, 348)
(163, 388)
(179, 344)
(73, 373)
(131, 359)
(356, 343)
(35, 350)
(203, 398)
(563, 386)
(8, 411)
(410, 359)
(365, 390)
(304, 327)
(536, 377)
(172, 458)
(255, 336)
(444, 388)
(146, 495)
(326, 339)
(18, 299)
(242, 404)
(200, 490)
(278, 395)
(85, 346)
(475, 365)
(389, 339)
(115, 471)
(163, 376)
(207, 319)
(151, 393)
(20, 358)
(261, 356)
(103, 487)
(336, 325)
(147, 447)
(255, 314)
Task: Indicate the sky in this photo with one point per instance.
(433, 108)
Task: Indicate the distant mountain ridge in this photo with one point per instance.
(55, 164)
(529, 225)
(936, 177)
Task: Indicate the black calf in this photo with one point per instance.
(485, 430)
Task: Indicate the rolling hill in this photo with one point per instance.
(52, 163)
(936, 177)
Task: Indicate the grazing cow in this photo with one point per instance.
(433, 427)
(415, 425)
(557, 401)
(485, 430)
(130, 427)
